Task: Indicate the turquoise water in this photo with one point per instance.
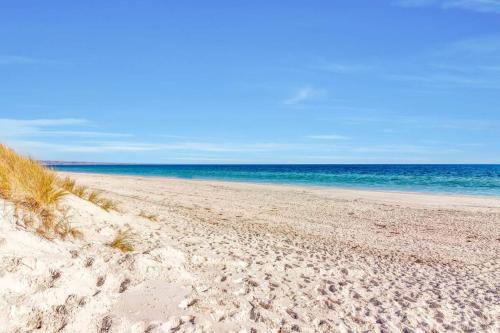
(456, 179)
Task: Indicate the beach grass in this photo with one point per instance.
(92, 196)
(25, 181)
(79, 191)
(107, 204)
(151, 217)
(123, 241)
(64, 228)
(34, 191)
(68, 184)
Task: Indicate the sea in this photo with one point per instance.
(465, 179)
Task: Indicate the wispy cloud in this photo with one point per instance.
(80, 147)
(483, 6)
(327, 137)
(483, 45)
(472, 62)
(83, 134)
(127, 146)
(337, 67)
(44, 138)
(469, 62)
(27, 127)
(18, 60)
(44, 122)
(414, 3)
(15, 128)
(46, 135)
(217, 151)
(404, 149)
(444, 79)
(417, 122)
(304, 94)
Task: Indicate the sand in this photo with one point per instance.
(240, 257)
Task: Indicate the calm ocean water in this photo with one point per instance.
(458, 179)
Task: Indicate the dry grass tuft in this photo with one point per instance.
(107, 205)
(63, 227)
(79, 191)
(92, 196)
(36, 193)
(123, 241)
(151, 217)
(34, 190)
(25, 181)
(68, 184)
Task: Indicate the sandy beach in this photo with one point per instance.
(215, 256)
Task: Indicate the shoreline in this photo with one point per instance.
(215, 256)
(493, 200)
(415, 210)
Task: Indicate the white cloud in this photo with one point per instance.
(24, 127)
(44, 122)
(125, 146)
(44, 135)
(304, 94)
(483, 6)
(327, 137)
(342, 67)
(414, 3)
(404, 149)
(17, 60)
(83, 134)
(43, 127)
(391, 120)
(469, 62)
(443, 78)
(484, 45)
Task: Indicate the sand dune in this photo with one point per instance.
(256, 258)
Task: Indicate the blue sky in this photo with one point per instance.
(415, 81)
